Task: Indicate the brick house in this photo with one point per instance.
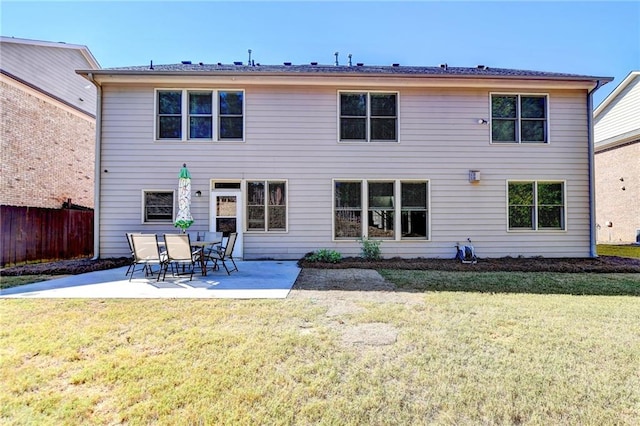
(48, 124)
(617, 163)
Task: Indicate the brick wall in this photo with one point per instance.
(613, 204)
(47, 151)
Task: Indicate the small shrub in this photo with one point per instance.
(325, 255)
(371, 249)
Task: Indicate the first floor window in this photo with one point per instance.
(536, 205)
(157, 206)
(266, 206)
(390, 206)
(519, 118)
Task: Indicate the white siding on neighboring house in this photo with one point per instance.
(291, 134)
(621, 115)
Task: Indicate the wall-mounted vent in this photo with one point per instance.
(186, 62)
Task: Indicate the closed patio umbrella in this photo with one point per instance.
(184, 218)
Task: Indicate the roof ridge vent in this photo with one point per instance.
(288, 64)
(444, 66)
(314, 63)
(186, 62)
(237, 63)
(395, 65)
(483, 67)
(360, 64)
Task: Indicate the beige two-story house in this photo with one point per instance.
(301, 157)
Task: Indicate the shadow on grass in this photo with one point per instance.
(619, 284)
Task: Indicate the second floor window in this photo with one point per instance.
(200, 115)
(519, 118)
(368, 116)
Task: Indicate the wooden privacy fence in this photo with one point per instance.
(34, 233)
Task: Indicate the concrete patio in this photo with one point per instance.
(254, 280)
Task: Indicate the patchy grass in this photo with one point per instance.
(6, 282)
(459, 358)
(632, 251)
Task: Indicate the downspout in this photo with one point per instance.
(592, 201)
(98, 168)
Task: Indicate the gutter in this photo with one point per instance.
(590, 140)
(98, 168)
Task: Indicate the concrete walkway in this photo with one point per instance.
(254, 280)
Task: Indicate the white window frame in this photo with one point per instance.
(535, 228)
(397, 209)
(215, 112)
(368, 117)
(518, 119)
(265, 230)
(143, 209)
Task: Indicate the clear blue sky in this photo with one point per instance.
(592, 37)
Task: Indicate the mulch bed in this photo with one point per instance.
(602, 264)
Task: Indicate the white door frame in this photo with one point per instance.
(238, 250)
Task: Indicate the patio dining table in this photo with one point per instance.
(201, 245)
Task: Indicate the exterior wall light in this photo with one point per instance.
(482, 121)
(198, 194)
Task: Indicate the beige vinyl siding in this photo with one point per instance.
(291, 134)
(52, 70)
(620, 116)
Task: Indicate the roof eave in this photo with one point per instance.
(367, 79)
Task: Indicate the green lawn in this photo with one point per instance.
(459, 357)
(618, 250)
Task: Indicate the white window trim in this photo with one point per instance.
(143, 207)
(368, 128)
(185, 115)
(397, 188)
(519, 142)
(245, 192)
(535, 230)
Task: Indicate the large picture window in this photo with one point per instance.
(201, 107)
(368, 117)
(389, 205)
(519, 118)
(536, 206)
(266, 206)
(157, 206)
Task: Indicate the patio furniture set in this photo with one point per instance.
(180, 253)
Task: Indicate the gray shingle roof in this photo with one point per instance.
(397, 70)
